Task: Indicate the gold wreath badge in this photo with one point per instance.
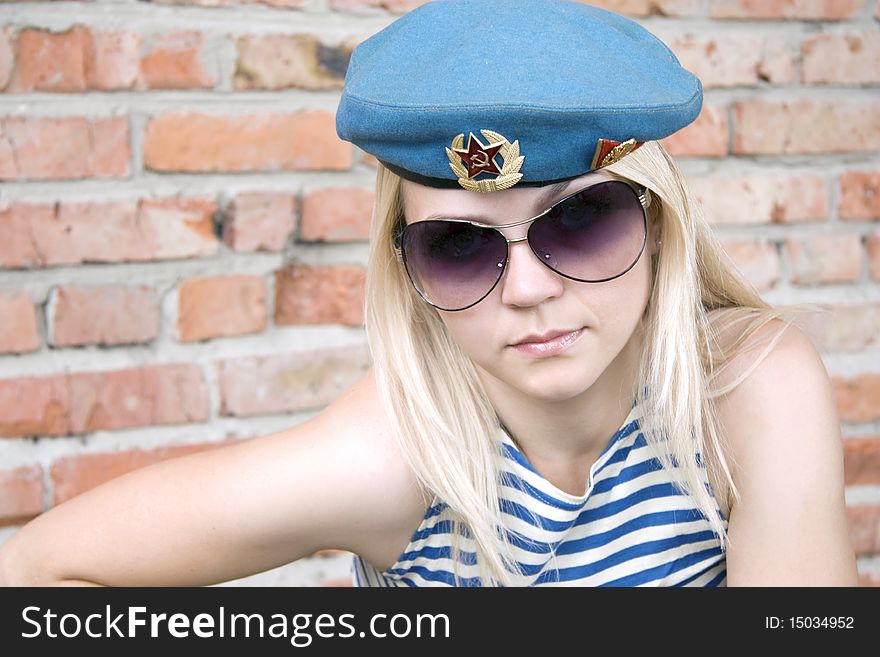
(480, 158)
(609, 151)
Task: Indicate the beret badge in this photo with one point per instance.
(478, 158)
(609, 151)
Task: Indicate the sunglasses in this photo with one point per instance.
(594, 235)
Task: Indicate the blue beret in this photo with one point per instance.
(486, 94)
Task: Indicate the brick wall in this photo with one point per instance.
(181, 232)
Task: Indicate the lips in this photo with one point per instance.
(543, 337)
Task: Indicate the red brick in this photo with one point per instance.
(47, 61)
(851, 327)
(872, 244)
(861, 460)
(859, 195)
(35, 406)
(858, 397)
(8, 165)
(73, 233)
(841, 58)
(86, 232)
(79, 59)
(394, 6)
(90, 401)
(84, 229)
(291, 382)
(105, 315)
(109, 149)
(339, 214)
(74, 475)
(758, 262)
(733, 60)
(146, 396)
(864, 528)
(629, 7)
(18, 330)
(21, 494)
(114, 60)
(287, 4)
(63, 148)
(76, 60)
(280, 61)
(221, 306)
(707, 136)
(825, 259)
(7, 58)
(177, 227)
(190, 141)
(259, 221)
(760, 198)
(770, 127)
(322, 294)
(17, 248)
(649, 7)
(773, 9)
(174, 61)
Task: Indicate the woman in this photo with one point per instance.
(570, 385)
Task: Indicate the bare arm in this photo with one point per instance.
(789, 528)
(222, 514)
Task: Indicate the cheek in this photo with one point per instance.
(618, 305)
(469, 330)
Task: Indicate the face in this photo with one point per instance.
(531, 298)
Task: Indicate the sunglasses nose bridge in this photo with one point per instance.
(529, 247)
(524, 231)
(505, 230)
(524, 238)
(514, 240)
(526, 225)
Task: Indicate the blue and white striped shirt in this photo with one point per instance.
(632, 527)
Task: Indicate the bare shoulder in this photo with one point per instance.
(754, 370)
(784, 446)
(772, 373)
(773, 339)
(381, 502)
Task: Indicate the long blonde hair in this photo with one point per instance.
(445, 424)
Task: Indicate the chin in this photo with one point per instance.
(554, 384)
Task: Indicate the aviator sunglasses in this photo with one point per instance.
(593, 235)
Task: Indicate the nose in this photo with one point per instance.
(526, 280)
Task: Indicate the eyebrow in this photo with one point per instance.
(552, 192)
(543, 202)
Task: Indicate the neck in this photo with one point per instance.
(571, 431)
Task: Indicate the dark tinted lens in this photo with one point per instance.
(451, 263)
(594, 235)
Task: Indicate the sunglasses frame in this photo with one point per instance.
(642, 193)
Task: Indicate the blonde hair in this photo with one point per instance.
(445, 424)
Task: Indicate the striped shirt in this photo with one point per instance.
(632, 527)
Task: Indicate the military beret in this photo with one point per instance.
(487, 94)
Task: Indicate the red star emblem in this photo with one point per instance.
(480, 158)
